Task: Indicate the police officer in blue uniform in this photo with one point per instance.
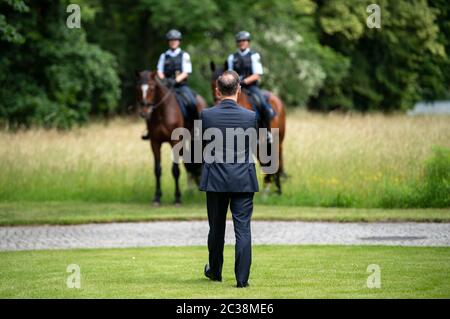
(247, 64)
(174, 66)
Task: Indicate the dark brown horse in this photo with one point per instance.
(159, 107)
(279, 121)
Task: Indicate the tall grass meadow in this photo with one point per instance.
(351, 160)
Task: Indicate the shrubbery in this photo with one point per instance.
(319, 54)
(435, 192)
(51, 76)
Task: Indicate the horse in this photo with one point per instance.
(159, 107)
(279, 121)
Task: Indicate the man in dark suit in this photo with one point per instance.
(229, 183)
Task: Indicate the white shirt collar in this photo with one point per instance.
(244, 52)
(174, 52)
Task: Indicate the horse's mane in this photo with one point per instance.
(144, 76)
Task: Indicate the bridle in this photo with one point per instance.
(152, 104)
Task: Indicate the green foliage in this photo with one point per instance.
(9, 32)
(55, 77)
(315, 53)
(434, 76)
(295, 62)
(436, 189)
(392, 67)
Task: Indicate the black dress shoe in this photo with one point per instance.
(209, 275)
(242, 284)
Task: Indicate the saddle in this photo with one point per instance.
(188, 110)
(186, 107)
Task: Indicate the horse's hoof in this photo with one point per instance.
(156, 203)
(177, 204)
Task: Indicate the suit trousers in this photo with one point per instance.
(241, 206)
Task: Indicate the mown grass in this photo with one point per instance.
(333, 160)
(66, 213)
(277, 272)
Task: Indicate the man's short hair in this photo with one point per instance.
(228, 83)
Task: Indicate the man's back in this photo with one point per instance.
(229, 177)
(232, 169)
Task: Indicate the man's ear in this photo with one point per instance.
(218, 93)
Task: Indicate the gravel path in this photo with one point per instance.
(195, 233)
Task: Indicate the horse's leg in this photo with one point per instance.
(278, 181)
(156, 148)
(176, 175)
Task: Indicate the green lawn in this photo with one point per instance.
(20, 213)
(277, 272)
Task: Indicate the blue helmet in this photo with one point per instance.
(173, 35)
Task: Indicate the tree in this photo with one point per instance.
(53, 76)
(315, 53)
(8, 32)
(386, 64)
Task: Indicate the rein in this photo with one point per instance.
(154, 106)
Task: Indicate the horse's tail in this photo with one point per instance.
(193, 169)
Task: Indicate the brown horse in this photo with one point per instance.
(159, 107)
(279, 121)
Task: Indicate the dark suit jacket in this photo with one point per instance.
(229, 177)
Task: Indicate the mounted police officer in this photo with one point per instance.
(247, 64)
(174, 66)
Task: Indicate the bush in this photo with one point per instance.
(435, 192)
(54, 78)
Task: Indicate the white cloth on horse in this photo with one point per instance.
(186, 65)
(256, 61)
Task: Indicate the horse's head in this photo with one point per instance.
(146, 90)
(216, 71)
